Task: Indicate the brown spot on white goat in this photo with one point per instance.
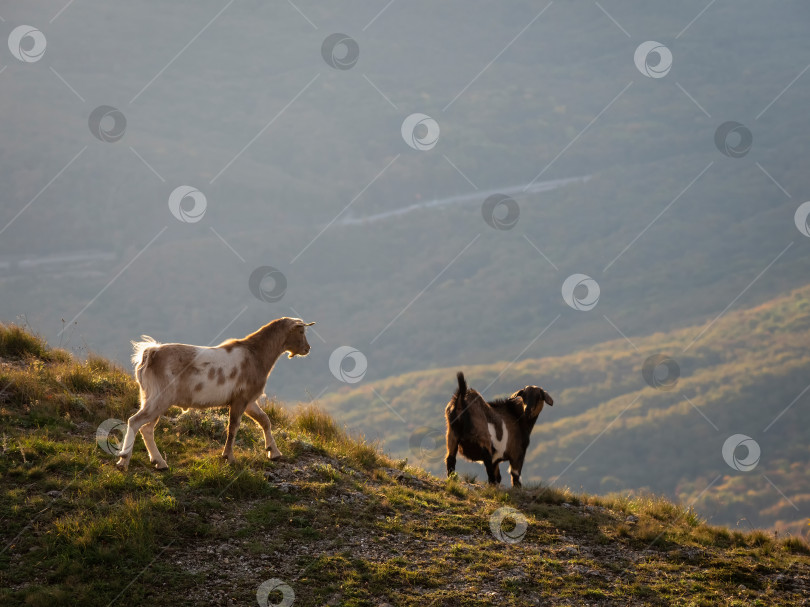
(167, 372)
(492, 432)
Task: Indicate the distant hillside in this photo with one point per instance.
(337, 523)
(437, 286)
(609, 430)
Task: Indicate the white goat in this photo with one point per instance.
(232, 374)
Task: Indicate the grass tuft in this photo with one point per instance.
(317, 423)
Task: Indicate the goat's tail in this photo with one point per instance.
(462, 389)
(460, 417)
(142, 352)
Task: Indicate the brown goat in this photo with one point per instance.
(492, 432)
(232, 374)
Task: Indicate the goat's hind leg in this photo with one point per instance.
(254, 412)
(452, 450)
(148, 434)
(134, 424)
(234, 418)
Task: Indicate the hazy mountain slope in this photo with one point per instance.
(552, 102)
(611, 431)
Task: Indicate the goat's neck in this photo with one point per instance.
(269, 359)
(526, 424)
(268, 345)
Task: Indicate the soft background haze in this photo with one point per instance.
(235, 99)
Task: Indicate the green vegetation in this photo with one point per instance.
(737, 378)
(339, 522)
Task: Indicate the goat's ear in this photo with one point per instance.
(520, 393)
(548, 398)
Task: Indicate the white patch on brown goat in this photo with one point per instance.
(498, 446)
(213, 366)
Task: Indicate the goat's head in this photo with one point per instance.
(296, 343)
(534, 397)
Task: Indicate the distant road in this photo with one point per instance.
(479, 196)
(56, 261)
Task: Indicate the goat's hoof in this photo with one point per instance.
(160, 467)
(122, 465)
(276, 458)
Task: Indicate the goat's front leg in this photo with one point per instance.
(514, 469)
(497, 466)
(235, 416)
(492, 478)
(254, 412)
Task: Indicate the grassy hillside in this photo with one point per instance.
(611, 431)
(338, 522)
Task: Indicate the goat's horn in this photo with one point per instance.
(308, 324)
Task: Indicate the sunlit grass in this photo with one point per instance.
(71, 517)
